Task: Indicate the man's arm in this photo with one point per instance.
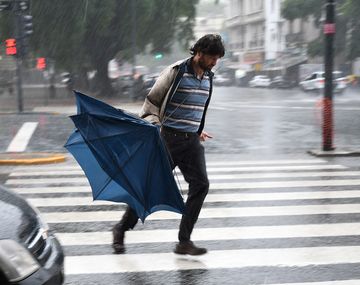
(151, 108)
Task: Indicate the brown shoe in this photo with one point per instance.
(189, 248)
(118, 240)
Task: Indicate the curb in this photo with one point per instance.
(333, 153)
(30, 158)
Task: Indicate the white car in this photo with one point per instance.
(316, 81)
(222, 80)
(260, 81)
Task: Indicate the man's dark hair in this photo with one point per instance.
(211, 44)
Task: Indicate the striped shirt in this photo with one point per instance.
(186, 107)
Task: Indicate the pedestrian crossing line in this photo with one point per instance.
(206, 213)
(265, 162)
(52, 190)
(75, 170)
(215, 234)
(342, 282)
(209, 169)
(229, 185)
(88, 201)
(289, 257)
(74, 166)
(22, 138)
(211, 176)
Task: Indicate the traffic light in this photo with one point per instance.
(26, 25)
(24, 5)
(41, 63)
(10, 46)
(6, 5)
(158, 55)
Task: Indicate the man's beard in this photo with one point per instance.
(203, 66)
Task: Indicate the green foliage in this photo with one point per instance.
(300, 9)
(316, 47)
(347, 16)
(351, 10)
(84, 35)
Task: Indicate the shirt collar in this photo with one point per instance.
(190, 68)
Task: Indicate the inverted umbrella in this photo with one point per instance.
(123, 157)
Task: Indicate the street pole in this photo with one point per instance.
(18, 36)
(329, 34)
(133, 46)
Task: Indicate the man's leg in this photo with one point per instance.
(128, 221)
(193, 168)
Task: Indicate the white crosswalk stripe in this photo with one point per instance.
(263, 215)
(215, 259)
(148, 236)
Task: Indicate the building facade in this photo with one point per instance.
(255, 32)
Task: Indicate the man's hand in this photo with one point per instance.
(204, 136)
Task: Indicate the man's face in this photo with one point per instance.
(207, 61)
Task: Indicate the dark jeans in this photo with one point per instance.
(187, 153)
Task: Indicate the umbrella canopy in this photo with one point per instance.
(123, 157)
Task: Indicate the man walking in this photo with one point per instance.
(178, 103)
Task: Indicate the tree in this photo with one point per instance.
(351, 10)
(300, 9)
(303, 9)
(83, 35)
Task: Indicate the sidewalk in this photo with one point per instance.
(37, 100)
(39, 104)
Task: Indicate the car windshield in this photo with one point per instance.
(336, 74)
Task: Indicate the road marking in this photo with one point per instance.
(213, 176)
(75, 167)
(52, 190)
(88, 201)
(43, 170)
(207, 213)
(343, 282)
(218, 186)
(213, 234)
(22, 138)
(289, 257)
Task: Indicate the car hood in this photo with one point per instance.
(18, 220)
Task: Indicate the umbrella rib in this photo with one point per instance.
(120, 167)
(108, 180)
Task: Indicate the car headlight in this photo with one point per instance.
(15, 261)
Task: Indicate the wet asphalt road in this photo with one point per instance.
(242, 121)
(247, 124)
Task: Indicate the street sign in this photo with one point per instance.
(329, 28)
(6, 5)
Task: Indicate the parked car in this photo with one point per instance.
(316, 82)
(282, 83)
(222, 80)
(29, 253)
(150, 81)
(260, 81)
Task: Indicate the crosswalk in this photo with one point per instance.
(290, 221)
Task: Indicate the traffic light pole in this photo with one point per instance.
(329, 33)
(133, 47)
(20, 104)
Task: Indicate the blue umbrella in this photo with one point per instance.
(123, 157)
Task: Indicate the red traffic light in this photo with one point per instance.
(10, 46)
(41, 63)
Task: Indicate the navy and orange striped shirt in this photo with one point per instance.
(185, 108)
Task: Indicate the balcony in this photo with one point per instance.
(234, 21)
(257, 16)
